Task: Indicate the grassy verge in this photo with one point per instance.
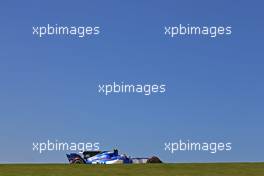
(204, 169)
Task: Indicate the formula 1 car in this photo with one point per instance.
(107, 157)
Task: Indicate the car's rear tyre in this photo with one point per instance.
(78, 161)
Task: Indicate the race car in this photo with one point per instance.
(107, 157)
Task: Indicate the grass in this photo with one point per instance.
(203, 169)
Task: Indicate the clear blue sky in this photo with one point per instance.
(214, 86)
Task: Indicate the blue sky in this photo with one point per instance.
(214, 85)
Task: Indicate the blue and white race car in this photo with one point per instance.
(107, 157)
